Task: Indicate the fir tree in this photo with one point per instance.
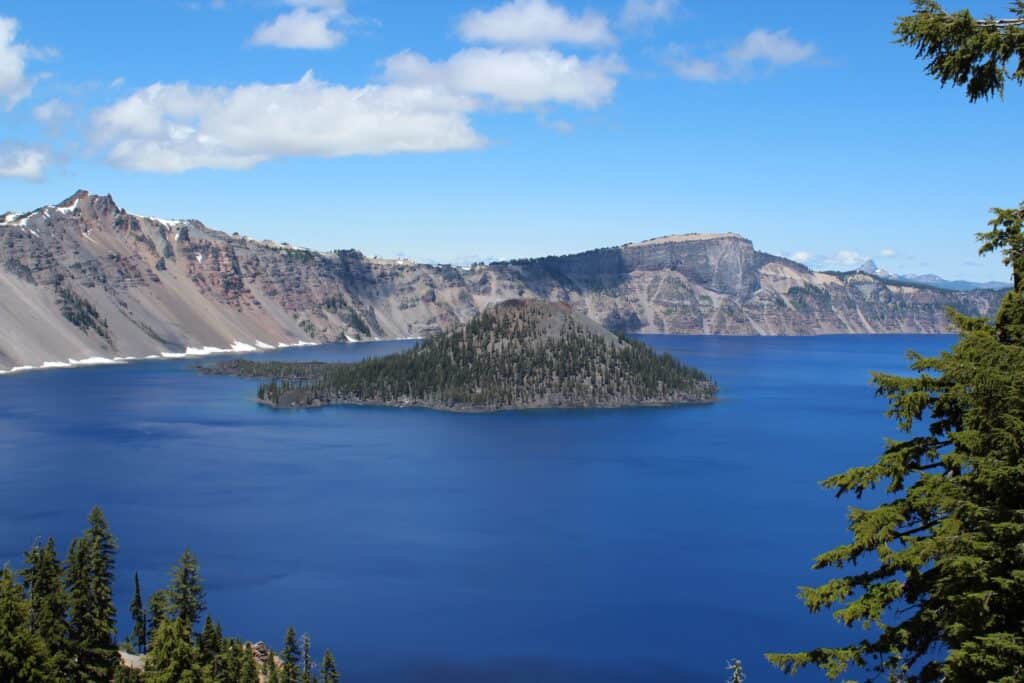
(91, 611)
(307, 660)
(172, 657)
(290, 656)
(186, 594)
(211, 640)
(248, 671)
(271, 672)
(942, 598)
(138, 638)
(158, 608)
(23, 656)
(328, 669)
(43, 579)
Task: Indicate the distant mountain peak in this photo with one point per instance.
(869, 267)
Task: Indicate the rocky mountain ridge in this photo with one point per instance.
(87, 281)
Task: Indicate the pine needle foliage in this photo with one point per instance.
(934, 574)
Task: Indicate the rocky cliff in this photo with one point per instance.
(85, 279)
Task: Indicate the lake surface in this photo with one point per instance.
(640, 545)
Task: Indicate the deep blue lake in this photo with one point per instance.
(640, 545)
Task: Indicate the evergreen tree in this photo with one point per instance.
(942, 597)
(159, 606)
(90, 578)
(211, 640)
(271, 672)
(172, 656)
(328, 669)
(43, 579)
(138, 638)
(248, 671)
(307, 660)
(23, 655)
(186, 594)
(290, 656)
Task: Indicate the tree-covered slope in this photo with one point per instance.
(517, 354)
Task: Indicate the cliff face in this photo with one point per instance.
(85, 278)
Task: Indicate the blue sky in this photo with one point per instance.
(470, 129)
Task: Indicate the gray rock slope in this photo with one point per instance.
(85, 278)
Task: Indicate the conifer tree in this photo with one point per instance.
(249, 673)
(307, 660)
(43, 580)
(211, 641)
(23, 655)
(158, 608)
(328, 669)
(290, 656)
(173, 658)
(272, 673)
(138, 638)
(90, 578)
(186, 594)
(942, 596)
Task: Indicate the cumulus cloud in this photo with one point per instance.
(52, 112)
(534, 23)
(888, 252)
(310, 25)
(773, 47)
(638, 12)
(15, 85)
(179, 127)
(846, 258)
(513, 77)
(22, 161)
(801, 256)
(760, 48)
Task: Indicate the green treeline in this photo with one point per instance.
(58, 623)
(504, 358)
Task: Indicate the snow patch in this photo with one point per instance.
(199, 258)
(68, 209)
(165, 222)
(241, 347)
(93, 360)
(263, 345)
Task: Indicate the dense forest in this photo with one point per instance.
(58, 623)
(518, 354)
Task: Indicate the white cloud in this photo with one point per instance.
(775, 48)
(535, 23)
(846, 258)
(310, 25)
(52, 112)
(759, 48)
(888, 252)
(15, 85)
(801, 256)
(638, 12)
(515, 77)
(179, 127)
(21, 161)
(698, 70)
(117, 82)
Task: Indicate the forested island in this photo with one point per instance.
(519, 354)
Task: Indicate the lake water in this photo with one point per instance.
(640, 545)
